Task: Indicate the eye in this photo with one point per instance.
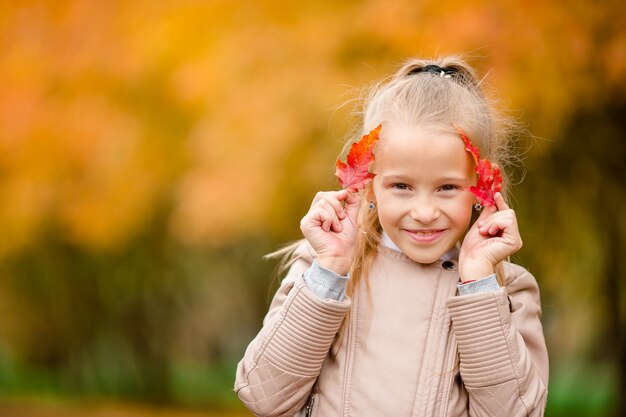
(400, 186)
(449, 187)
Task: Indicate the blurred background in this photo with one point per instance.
(151, 152)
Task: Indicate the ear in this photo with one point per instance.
(368, 193)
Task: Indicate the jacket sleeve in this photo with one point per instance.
(502, 351)
(281, 364)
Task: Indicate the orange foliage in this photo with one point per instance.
(112, 109)
(354, 174)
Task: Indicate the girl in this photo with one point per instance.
(411, 310)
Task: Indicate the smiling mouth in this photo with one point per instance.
(424, 236)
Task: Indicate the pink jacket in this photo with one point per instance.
(413, 347)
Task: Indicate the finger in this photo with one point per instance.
(500, 203)
(353, 203)
(495, 229)
(353, 199)
(501, 222)
(333, 205)
(338, 195)
(497, 214)
(316, 217)
(327, 218)
(334, 199)
(326, 224)
(491, 229)
(318, 196)
(336, 225)
(484, 215)
(342, 194)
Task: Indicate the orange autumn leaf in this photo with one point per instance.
(355, 174)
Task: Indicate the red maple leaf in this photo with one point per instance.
(489, 175)
(489, 182)
(355, 174)
(469, 146)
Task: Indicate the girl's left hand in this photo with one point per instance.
(492, 238)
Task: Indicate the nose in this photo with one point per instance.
(424, 210)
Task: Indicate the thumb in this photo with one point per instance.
(353, 203)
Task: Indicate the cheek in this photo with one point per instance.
(460, 209)
(389, 212)
(464, 214)
(385, 216)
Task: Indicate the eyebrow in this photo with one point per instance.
(394, 177)
(454, 179)
(399, 177)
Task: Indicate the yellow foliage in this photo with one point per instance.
(111, 109)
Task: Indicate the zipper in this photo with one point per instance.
(309, 406)
(450, 364)
(428, 395)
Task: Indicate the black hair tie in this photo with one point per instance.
(435, 69)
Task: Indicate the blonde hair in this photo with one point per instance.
(414, 95)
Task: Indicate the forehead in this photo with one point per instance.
(412, 146)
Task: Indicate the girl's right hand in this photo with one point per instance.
(331, 229)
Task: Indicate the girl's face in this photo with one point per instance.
(423, 173)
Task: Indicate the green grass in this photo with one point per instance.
(576, 390)
(582, 390)
(189, 385)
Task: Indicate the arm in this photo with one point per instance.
(503, 357)
(281, 364)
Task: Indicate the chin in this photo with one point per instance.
(425, 258)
